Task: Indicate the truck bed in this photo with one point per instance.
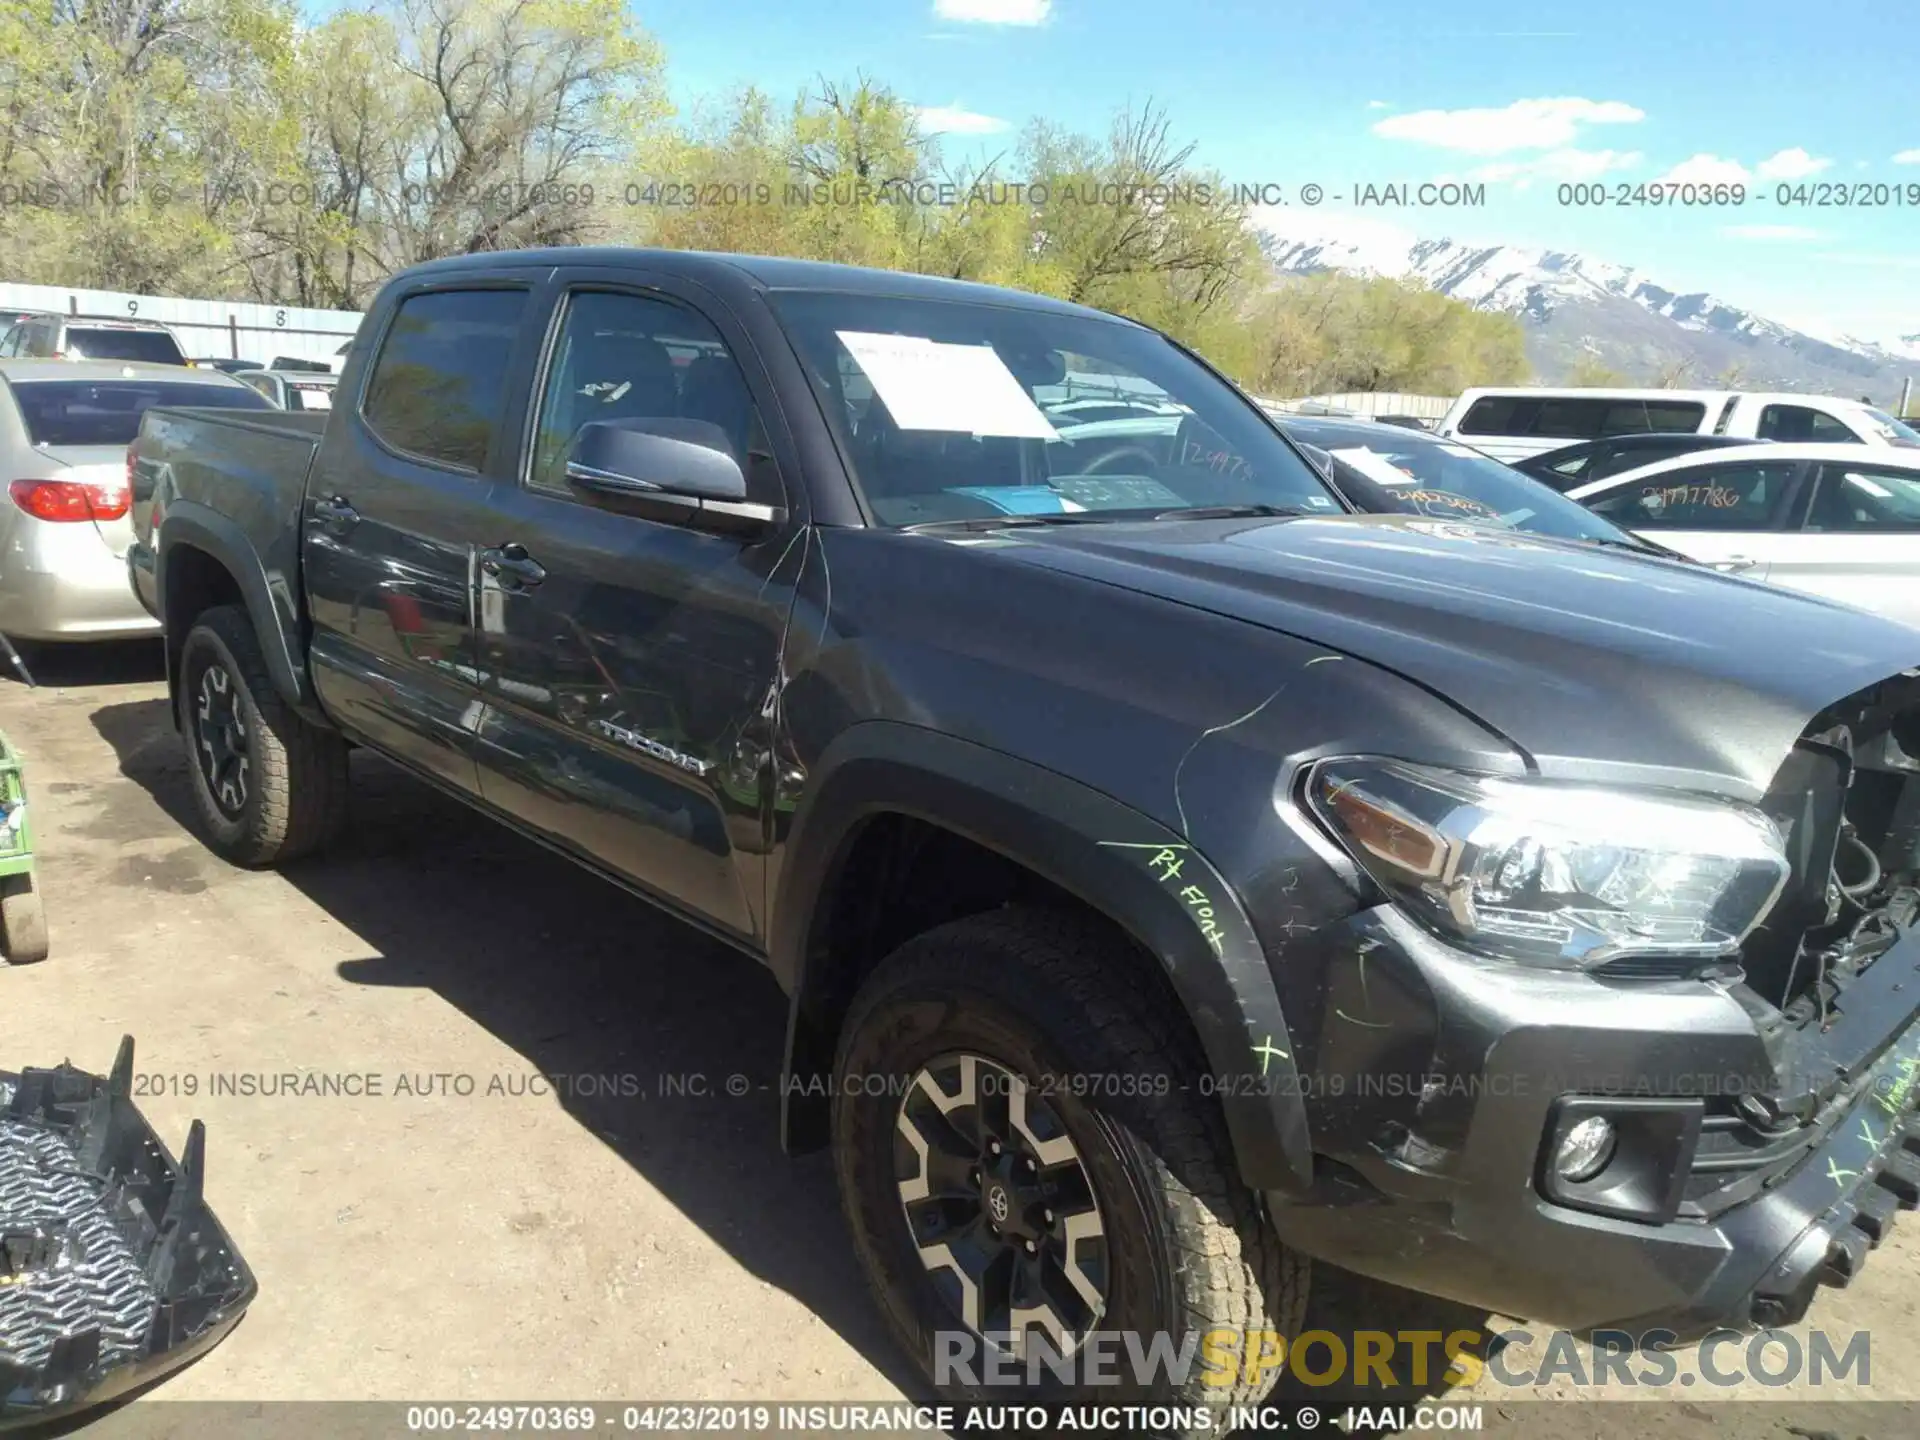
(227, 468)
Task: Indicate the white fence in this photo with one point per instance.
(213, 329)
(1380, 402)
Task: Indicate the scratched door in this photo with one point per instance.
(629, 660)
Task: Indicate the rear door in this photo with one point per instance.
(1860, 539)
(395, 508)
(632, 657)
(1729, 515)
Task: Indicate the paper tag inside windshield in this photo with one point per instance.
(1374, 466)
(926, 385)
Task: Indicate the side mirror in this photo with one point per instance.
(656, 459)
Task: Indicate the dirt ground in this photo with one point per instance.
(461, 1229)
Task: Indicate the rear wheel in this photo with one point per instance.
(1024, 1153)
(23, 921)
(269, 786)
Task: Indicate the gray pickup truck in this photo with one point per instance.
(1175, 875)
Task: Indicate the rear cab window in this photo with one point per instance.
(106, 342)
(439, 383)
(107, 412)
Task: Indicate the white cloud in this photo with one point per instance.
(1566, 163)
(1907, 157)
(952, 120)
(1794, 164)
(994, 12)
(1705, 169)
(1523, 125)
(1379, 105)
(1771, 232)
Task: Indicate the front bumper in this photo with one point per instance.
(1434, 1184)
(62, 582)
(113, 1271)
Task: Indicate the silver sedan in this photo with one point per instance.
(64, 524)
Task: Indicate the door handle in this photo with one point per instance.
(1734, 563)
(512, 566)
(335, 512)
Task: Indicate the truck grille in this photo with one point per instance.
(64, 1267)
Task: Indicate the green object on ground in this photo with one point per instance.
(23, 922)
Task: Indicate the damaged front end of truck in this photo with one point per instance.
(1669, 1138)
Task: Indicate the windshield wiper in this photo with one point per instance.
(1228, 512)
(1002, 522)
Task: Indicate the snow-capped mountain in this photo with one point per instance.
(1574, 305)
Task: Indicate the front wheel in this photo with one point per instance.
(268, 785)
(1024, 1157)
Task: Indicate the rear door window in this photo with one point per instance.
(1856, 499)
(1579, 417)
(440, 380)
(1709, 497)
(1562, 418)
(1653, 417)
(1499, 415)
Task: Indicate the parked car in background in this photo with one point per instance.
(1388, 469)
(301, 364)
(293, 389)
(225, 365)
(52, 336)
(1840, 521)
(64, 431)
(1591, 460)
(1512, 424)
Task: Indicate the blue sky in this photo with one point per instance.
(1630, 91)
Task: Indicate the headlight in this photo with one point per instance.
(1556, 874)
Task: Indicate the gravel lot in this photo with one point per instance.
(461, 1229)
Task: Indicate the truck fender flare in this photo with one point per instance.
(1114, 858)
(187, 522)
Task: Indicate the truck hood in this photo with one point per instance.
(1597, 663)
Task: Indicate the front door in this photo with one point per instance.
(631, 658)
(1725, 515)
(395, 511)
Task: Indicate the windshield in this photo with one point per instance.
(1383, 469)
(107, 412)
(154, 346)
(955, 412)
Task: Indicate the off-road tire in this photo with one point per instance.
(23, 921)
(294, 799)
(1047, 993)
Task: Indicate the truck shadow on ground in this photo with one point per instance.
(74, 667)
(596, 988)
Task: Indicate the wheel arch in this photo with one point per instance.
(1073, 839)
(202, 558)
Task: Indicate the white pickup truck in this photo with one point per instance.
(1512, 424)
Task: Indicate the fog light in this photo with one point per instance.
(1585, 1149)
